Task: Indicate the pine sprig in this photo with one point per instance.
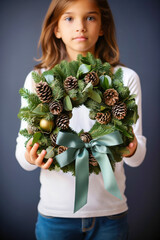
(66, 69)
(123, 92)
(31, 98)
(118, 75)
(81, 85)
(91, 59)
(37, 78)
(92, 105)
(59, 72)
(73, 93)
(57, 90)
(27, 115)
(99, 66)
(107, 68)
(101, 130)
(49, 116)
(118, 79)
(44, 141)
(73, 66)
(25, 133)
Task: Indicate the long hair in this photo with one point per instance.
(53, 49)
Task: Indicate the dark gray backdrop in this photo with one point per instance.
(137, 25)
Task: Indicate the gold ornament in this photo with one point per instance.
(46, 125)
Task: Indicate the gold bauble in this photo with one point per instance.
(46, 125)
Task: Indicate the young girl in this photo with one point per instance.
(73, 27)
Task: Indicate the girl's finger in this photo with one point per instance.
(29, 147)
(47, 164)
(33, 152)
(39, 160)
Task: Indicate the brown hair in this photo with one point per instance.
(53, 49)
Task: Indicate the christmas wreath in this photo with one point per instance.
(68, 85)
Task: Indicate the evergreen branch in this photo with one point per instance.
(81, 85)
(24, 93)
(117, 83)
(59, 72)
(73, 93)
(31, 98)
(26, 114)
(91, 59)
(25, 133)
(118, 75)
(65, 68)
(44, 141)
(73, 68)
(92, 105)
(123, 92)
(99, 66)
(33, 101)
(101, 130)
(49, 116)
(37, 78)
(130, 104)
(58, 93)
(107, 68)
(82, 59)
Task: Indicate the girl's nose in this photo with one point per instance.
(80, 27)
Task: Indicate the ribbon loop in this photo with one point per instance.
(88, 145)
(77, 150)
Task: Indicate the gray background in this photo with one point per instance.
(137, 23)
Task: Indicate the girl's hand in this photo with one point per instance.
(33, 158)
(131, 148)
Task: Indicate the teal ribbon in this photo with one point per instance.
(77, 150)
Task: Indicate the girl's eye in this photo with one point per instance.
(90, 18)
(69, 19)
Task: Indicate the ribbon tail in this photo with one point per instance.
(109, 179)
(82, 179)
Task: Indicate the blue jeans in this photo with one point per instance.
(97, 228)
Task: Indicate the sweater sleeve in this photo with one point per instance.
(133, 83)
(20, 146)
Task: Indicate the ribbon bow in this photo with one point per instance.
(77, 150)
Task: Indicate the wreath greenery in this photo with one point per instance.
(68, 85)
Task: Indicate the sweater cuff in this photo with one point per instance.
(137, 158)
(23, 162)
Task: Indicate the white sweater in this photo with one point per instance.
(57, 191)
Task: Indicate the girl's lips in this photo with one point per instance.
(80, 38)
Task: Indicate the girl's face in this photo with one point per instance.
(79, 27)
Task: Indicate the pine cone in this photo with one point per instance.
(44, 92)
(92, 77)
(119, 110)
(61, 149)
(62, 121)
(53, 138)
(70, 83)
(85, 137)
(32, 129)
(56, 107)
(111, 96)
(92, 160)
(103, 118)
